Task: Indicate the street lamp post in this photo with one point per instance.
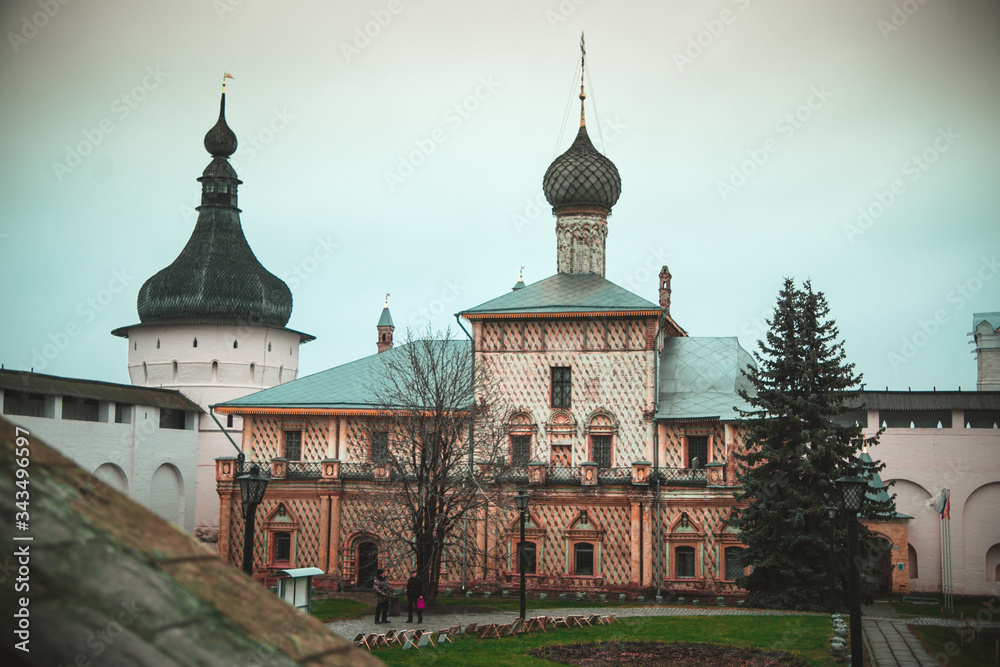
(252, 487)
(852, 491)
(521, 500)
(832, 513)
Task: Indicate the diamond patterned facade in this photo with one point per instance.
(630, 428)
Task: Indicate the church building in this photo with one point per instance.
(624, 433)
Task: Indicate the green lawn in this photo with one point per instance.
(334, 609)
(969, 606)
(945, 646)
(805, 636)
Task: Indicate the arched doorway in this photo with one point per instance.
(883, 565)
(367, 563)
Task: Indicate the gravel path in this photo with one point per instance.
(350, 628)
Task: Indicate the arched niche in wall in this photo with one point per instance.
(113, 476)
(166, 494)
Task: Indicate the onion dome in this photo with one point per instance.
(216, 276)
(220, 141)
(582, 175)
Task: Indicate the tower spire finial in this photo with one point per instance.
(386, 305)
(583, 68)
(225, 75)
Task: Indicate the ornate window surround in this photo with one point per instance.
(583, 528)
(683, 531)
(280, 520)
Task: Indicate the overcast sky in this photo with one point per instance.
(749, 136)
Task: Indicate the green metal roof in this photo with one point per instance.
(700, 378)
(386, 319)
(566, 293)
(345, 387)
(876, 488)
(993, 319)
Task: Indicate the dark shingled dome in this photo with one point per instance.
(216, 276)
(581, 175)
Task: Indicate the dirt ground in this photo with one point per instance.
(665, 655)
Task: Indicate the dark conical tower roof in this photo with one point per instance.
(216, 276)
(582, 175)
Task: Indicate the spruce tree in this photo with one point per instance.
(795, 449)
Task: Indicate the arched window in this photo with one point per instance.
(235, 345)
(911, 556)
(583, 559)
(253, 371)
(175, 371)
(215, 371)
(195, 344)
(601, 429)
(521, 428)
(157, 343)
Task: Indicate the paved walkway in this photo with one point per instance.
(891, 643)
(351, 628)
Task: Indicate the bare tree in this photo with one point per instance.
(440, 452)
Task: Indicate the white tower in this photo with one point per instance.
(213, 322)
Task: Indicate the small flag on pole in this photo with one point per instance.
(941, 503)
(227, 75)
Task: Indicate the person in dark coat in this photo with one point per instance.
(414, 590)
(384, 592)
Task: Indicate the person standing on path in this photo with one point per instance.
(384, 592)
(414, 591)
